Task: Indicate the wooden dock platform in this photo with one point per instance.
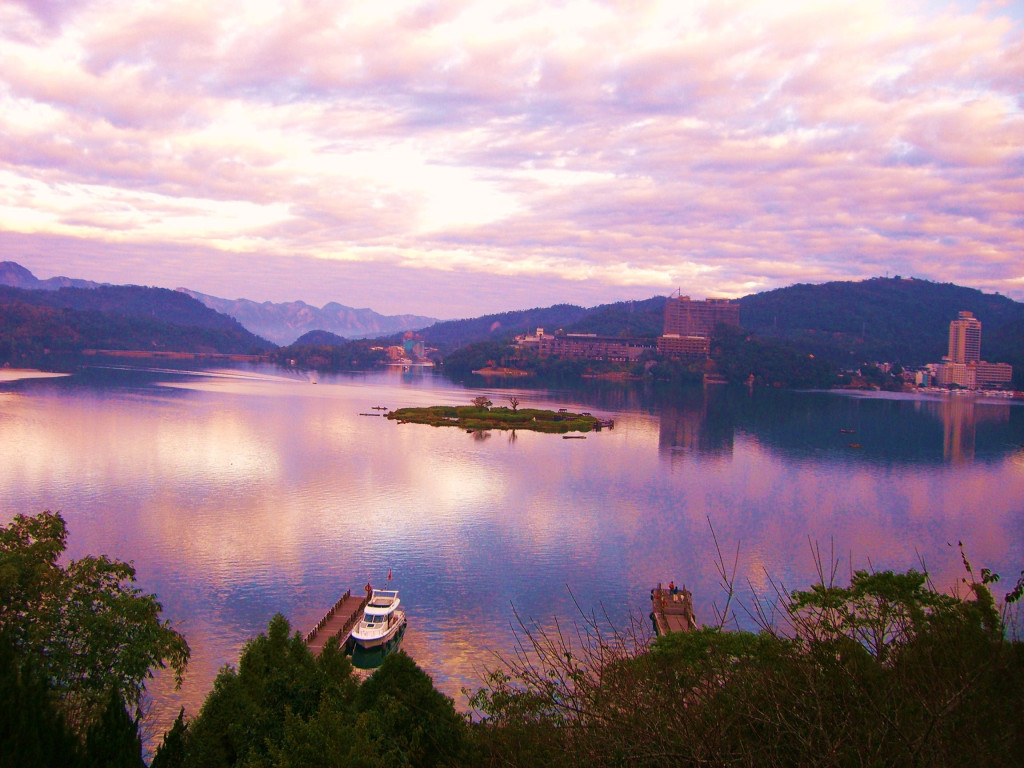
(672, 610)
(338, 622)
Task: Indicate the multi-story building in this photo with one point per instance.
(965, 339)
(585, 346)
(684, 317)
(963, 366)
(686, 347)
(689, 324)
(996, 375)
(948, 373)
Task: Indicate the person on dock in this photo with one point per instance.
(369, 590)
(672, 587)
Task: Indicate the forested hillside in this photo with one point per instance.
(38, 324)
(456, 333)
(623, 318)
(883, 319)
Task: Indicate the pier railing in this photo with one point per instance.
(330, 614)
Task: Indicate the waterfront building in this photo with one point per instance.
(963, 366)
(685, 347)
(993, 375)
(949, 373)
(586, 346)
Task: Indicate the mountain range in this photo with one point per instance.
(896, 319)
(281, 323)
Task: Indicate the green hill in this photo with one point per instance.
(319, 338)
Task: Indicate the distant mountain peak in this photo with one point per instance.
(16, 276)
(285, 322)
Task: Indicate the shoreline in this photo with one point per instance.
(937, 394)
(17, 374)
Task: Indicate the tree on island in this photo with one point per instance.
(482, 402)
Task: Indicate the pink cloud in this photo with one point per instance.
(732, 144)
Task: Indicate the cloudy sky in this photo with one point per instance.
(458, 157)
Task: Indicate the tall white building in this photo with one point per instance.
(965, 339)
(964, 366)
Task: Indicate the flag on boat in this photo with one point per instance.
(389, 574)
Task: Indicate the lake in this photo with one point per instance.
(243, 492)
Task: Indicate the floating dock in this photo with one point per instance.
(672, 610)
(338, 622)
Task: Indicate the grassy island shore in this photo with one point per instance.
(474, 417)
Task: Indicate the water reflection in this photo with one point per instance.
(244, 492)
(699, 421)
(842, 426)
(368, 659)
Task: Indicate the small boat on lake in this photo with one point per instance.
(382, 619)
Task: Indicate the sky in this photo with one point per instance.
(460, 157)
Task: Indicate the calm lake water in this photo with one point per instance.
(241, 493)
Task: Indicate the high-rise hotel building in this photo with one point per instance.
(688, 324)
(965, 339)
(963, 365)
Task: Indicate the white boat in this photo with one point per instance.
(382, 619)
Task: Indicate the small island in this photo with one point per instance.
(481, 416)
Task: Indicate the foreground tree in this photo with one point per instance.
(33, 730)
(883, 671)
(90, 632)
(113, 741)
(284, 707)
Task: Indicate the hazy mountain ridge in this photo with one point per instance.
(283, 323)
(16, 276)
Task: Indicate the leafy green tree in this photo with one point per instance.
(883, 671)
(86, 625)
(279, 687)
(406, 719)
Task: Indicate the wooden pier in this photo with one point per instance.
(338, 622)
(672, 610)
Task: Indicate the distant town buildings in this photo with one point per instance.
(585, 346)
(689, 324)
(963, 366)
(686, 334)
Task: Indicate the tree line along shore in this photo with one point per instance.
(883, 670)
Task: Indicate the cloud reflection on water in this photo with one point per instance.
(241, 496)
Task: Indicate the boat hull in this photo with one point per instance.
(380, 638)
(369, 659)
